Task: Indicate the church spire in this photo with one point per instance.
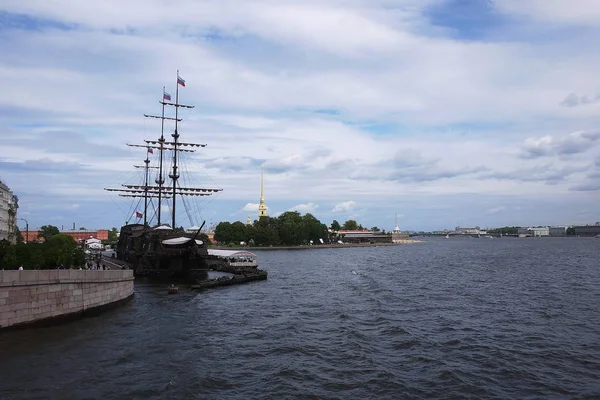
(262, 207)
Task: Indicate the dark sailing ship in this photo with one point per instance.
(163, 250)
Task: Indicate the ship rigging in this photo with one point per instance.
(161, 190)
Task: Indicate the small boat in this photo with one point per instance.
(173, 289)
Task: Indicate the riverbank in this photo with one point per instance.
(43, 297)
(321, 246)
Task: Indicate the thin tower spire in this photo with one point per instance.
(262, 187)
(262, 207)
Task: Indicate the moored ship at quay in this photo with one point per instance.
(156, 249)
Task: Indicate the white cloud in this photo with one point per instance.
(344, 206)
(574, 143)
(251, 207)
(305, 208)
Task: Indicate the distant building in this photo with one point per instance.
(534, 231)
(364, 236)
(94, 244)
(558, 231)
(80, 236)
(8, 213)
(469, 231)
(524, 232)
(541, 231)
(587, 230)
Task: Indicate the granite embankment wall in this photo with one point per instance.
(37, 297)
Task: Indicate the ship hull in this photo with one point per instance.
(164, 255)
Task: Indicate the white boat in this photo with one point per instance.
(226, 260)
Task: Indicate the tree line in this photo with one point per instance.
(288, 229)
(57, 249)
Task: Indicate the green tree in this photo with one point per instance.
(267, 231)
(19, 236)
(113, 235)
(10, 257)
(570, 231)
(250, 234)
(507, 230)
(223, 232)
(350, 225)
(316, 229)
(375, 229)
(47, 231)
(78, 258)
(62, 249)
(36, 258)
(335, 226)
(238, 232)
(292, 230)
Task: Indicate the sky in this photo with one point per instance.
(434, 113)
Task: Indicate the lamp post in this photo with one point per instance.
(26, 230)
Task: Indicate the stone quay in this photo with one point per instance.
(41, 297)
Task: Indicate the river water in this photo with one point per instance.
(501, 318)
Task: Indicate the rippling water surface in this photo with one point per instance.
(449, 318)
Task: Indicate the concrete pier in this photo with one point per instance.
(33, 297)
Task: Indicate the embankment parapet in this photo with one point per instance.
(31, 296)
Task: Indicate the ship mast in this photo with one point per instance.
(161, 191)
(160, 180)
(147, 162)
(146, 167)
(174, 176)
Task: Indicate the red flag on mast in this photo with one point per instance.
(139, 214)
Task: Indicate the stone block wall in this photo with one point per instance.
(31, 296)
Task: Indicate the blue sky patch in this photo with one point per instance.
(327, 111)
(467, 19)
(27, 22)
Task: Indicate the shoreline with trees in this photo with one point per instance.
(288, 230)
(319, 246)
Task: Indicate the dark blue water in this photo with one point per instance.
(450, 318)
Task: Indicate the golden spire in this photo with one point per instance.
(262, 207)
